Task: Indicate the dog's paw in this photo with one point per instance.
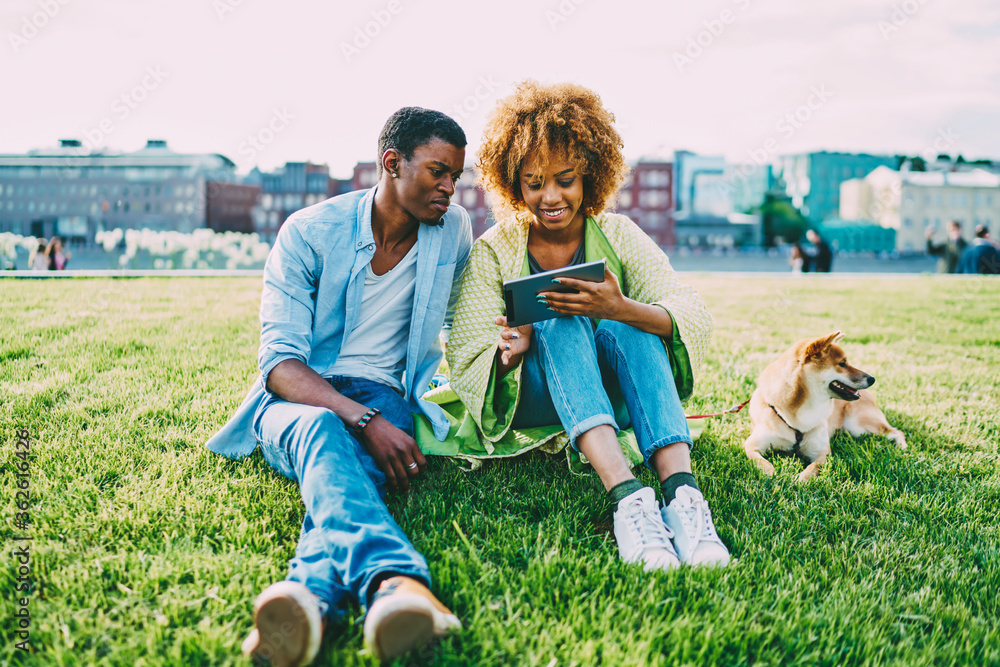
(898, 438)
(765, 467)
(804, 476)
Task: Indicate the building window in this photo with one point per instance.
(469, 198)
(625, 199)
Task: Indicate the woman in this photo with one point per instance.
(796, 259)
(57, 258)
(551, 159)
(40, 262)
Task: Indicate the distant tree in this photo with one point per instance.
(960, 159)
(918, 164)
(944, 157)
(900, 161)
(781, 219)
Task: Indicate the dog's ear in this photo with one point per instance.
(818, 346)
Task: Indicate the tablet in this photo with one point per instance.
(520, 295)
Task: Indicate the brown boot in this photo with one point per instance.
(404, 615)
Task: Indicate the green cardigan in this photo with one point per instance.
(465, 441)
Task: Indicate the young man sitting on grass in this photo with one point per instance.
(356, 292)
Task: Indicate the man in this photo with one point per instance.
(981, 256)
(951, 250)
(822, 259)
(356, 292)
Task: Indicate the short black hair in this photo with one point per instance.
(982, 231)
(411, 127)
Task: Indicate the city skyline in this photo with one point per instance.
(744, 79)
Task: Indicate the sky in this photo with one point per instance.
(264, 82)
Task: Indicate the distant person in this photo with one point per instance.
(981, 256)
(950, 251)
(823, 256)
(797, 258)
(40, 262)
(56, 255)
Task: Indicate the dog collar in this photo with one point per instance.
(798, 434)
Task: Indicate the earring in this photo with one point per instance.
(395, 175)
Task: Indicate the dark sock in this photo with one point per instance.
(377, 581)
(626, 488)
(674, 482)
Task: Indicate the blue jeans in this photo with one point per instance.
(573, 375)
(348, 536)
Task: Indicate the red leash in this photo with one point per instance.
(735, 408)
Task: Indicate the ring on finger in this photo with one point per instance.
(412, 466)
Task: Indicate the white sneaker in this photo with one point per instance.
(289, 627)
(695, 538)
(641, 534)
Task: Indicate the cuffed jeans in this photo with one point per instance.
(348, 536)
(573, 374)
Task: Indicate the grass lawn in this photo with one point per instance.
(149, 550)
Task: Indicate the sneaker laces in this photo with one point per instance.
(647, 525)
(697, 520)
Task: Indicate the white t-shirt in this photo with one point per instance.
(376, 347)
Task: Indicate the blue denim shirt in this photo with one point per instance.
(313, 283)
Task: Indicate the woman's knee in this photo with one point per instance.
(623, 340)
(560, 329)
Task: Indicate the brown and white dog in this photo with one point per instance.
(804, 396)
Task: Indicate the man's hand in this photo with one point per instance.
(603, 300)
(394, 452)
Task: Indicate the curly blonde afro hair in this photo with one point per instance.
(559, 119)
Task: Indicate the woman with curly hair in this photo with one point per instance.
(621, 356)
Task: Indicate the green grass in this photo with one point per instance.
(149, 550)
